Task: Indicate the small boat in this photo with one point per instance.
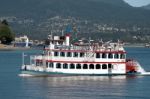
(22, 41)
(147, 45)
(82, 58)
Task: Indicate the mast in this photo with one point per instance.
(23, 59)
(23, 55)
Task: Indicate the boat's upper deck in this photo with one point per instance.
(62, 43)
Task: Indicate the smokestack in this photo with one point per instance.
(67, 39)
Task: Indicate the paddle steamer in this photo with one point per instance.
(81, 58)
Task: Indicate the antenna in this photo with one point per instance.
(23, 59)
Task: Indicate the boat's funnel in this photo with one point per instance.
(67, 40)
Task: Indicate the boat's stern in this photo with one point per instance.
(133, 67)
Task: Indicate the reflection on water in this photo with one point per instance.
(84, 87)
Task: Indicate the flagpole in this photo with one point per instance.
(23, 59)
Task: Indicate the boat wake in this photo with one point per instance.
(145, 74)
(25, 75)
(142, 71)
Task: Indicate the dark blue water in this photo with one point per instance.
(119, 87)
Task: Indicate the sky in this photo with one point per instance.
(138, 3)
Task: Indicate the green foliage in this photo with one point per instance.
(6, 35)
(4, 22)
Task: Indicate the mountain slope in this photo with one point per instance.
(115, 14)
(111, 10)
(147, 7)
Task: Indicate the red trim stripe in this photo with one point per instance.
(84, 62)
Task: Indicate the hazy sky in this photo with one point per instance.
(138, 3)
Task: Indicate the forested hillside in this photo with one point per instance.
(36, 16)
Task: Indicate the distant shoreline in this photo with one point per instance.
(11, 48)
(135, 45)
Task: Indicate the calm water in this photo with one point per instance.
(119, 87)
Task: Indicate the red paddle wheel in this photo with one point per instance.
(131, 66)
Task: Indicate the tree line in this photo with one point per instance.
(6, 34)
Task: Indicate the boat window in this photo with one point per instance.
(58, 65)
(97, 55)
(41, 63)
(81, 54)
(110, 55)
(78, 66)
(65, 66)
(85, 66)
(55, 53)
(91, 66)
(47, 64)
(37, 63)
(69, 54)
(110, 66)
(122, 56)
(75, 54)
(116, 56)
(104, 55)
(51, 65)
(62, 54)
(49, 53)
(98, 66)
(104, 66)
(72, 66)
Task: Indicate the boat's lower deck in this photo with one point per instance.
(51, 74)
(43, 71)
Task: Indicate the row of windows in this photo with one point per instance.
(69, 54)
(110, 55)
(39, 63)
(81, 66)
(82, 54)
